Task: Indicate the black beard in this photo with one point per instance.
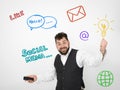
(65, 52)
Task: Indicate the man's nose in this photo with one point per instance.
(62, 46)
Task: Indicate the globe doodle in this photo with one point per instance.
(105, 78)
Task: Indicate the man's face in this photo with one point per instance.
(62, 45)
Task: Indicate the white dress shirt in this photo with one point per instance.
(82, 58)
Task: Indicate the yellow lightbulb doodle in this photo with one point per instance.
(103, 25)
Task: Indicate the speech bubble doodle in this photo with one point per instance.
(50, 22)
(35, 21)
(84, 35)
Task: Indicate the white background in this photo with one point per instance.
(15, 35)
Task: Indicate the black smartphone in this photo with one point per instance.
(28, 78)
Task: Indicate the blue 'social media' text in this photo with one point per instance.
(35, 53)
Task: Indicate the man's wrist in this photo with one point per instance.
(103, 53)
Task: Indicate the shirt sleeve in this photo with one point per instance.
(88, 58)
(47, 76)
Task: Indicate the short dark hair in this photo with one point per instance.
(60, 36)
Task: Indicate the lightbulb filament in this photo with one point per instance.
(103, 26)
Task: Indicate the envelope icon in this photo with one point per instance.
(76, 13)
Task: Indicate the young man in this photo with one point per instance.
(69, 63)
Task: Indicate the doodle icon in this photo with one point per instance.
(76, 13)
(35, 21)
(104, 26)
(45, 22)
(84, 35)
(105, 78)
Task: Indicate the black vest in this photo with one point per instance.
(69, 76)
